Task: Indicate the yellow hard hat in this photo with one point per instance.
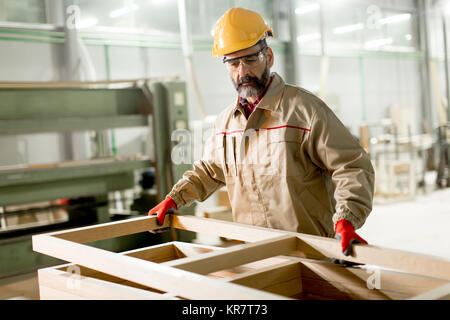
(238, 29)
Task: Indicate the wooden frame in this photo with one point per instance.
(266, 264)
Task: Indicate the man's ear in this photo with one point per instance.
(270, 56)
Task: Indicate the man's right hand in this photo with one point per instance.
(161, 209)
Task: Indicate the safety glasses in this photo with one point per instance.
(249, 61)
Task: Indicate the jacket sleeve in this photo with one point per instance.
(332, 148)
(203, 180)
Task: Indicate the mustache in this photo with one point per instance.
(245, 79)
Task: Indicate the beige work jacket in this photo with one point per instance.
(292, 166)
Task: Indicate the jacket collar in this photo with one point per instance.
(271, 99)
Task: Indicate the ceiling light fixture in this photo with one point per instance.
(395, 19)
(349, 28)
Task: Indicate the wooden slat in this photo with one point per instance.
(268, 276)
(227, 229)
(236, 255)
(318, 247)
(310, 246)
(167, 279)
(110, 229)
(89, 287)
(264, 243)
(156, 253)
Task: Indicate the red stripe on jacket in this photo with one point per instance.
(271, 128)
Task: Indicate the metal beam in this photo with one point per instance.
(427, 124)
(447, 79)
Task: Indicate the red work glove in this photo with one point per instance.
(161, 209)
(347, 235)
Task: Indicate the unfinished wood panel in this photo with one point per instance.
(157, 253)
(347, 284)
(287, 288)
(47, 293)
(353, 281)
(226, 229)
(310, 246)
(110, 229)
(264, 277)
(178, 276)
(82, 286)
(158, 276)
(249, 267)
(236, 255)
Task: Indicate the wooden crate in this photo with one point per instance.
(266, 264)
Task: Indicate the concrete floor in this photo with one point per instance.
(420, 226)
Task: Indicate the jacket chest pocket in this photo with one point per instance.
(284, 152)
(227, 149)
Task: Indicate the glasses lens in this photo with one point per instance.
(249, 61)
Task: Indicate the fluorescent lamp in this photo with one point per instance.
(396, 18)
(122, 11)
(307, 8)
(374, 44)
(349, 28)
(309, 37)
(87, 23)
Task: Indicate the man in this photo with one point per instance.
(286, 160)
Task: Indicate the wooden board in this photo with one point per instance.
(271, 264)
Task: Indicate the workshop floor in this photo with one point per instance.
(421, 226)
(23, 287)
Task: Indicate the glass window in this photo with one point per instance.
(308, 26)
(393, 30)
(28, 11)
(355, 25)
(158, 16)
(161, 16)
(203, 14)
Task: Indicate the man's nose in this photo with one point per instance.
(242, 69)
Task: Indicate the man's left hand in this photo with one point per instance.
(345, 232)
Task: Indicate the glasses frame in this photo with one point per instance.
(259, 54)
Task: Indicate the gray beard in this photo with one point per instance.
(248, 91)
(254, 90)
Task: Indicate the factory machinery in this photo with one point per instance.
(78, 192)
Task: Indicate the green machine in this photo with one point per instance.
(161, 106)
